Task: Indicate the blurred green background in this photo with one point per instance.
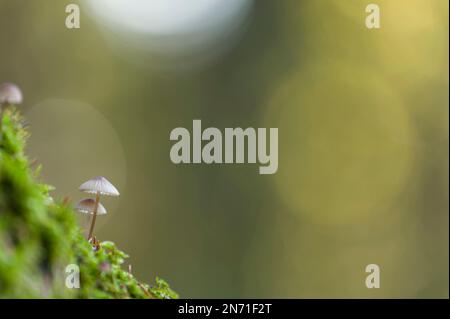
(363, 137)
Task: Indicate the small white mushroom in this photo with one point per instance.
(87, 206)
(98, 186)
(10, 94)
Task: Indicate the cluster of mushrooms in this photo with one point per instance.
(10, 94)
(98, 186)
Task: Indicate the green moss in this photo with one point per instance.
(39, 237)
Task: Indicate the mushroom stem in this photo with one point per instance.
(94, 217)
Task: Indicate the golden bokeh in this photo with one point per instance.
(347, 143)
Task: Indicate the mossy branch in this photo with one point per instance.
(39, 236)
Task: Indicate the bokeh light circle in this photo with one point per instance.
(346, 144)
(170, 31)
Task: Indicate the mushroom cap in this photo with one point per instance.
(10, 94)
(87, 206)
(101, 185)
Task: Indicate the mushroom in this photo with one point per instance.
(87, 206)
(10, 94)
(98, 186)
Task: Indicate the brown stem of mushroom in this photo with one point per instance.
(91, 230)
